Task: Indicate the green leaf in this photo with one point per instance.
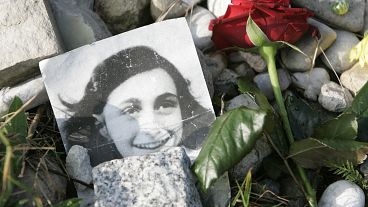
(73, 202)
(273, 125)
(344, 126)
(314, 153)
(303, 119)
(247, 189)
(360, 102)
(231, 137)
(18, 124)
(255, 34)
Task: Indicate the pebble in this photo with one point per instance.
(263, 82)
(123, 15)
(226, 83)
(158, 179)
(74, 16)
(160, 6)
(298, 62)
(252, 160)
(198, 21)
(25, 91)
(27, 36)
(338, 53)
(79, 166)
(354, 78)
(216, 63)
(241, 100)
(218, 7)
(352, 21)
(334, 98)
(244, 70)
(206, 72)
(311, 81)
(255, 61)
(342, 193)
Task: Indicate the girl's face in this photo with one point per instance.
(143, 115)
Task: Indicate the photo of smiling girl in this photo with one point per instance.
(136, 102)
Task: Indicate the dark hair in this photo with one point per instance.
(82, 129)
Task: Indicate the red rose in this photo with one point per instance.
(274, 17)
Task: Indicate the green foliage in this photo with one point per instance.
(342, 127)
(314, 153)
(243, 191)
(348, 172)
(303, 119)
(255, 34)
(360, 103)
(273, 127)
(73, 202)
(17, 125)
(231, 137)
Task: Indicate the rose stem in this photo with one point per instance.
(268, 53)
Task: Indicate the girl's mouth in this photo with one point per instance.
(152, 145)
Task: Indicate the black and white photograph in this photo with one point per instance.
(131, 94)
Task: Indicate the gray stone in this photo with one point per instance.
(216, 63)
(241, 100)
(252, 160)
(352, 21)
(244, 70)
(158, 179)
(342, 193)
(334, 98)
(87, 4)
(27, 36)
(78, 24)
(298, 62)
(123, 15)
(311, 82)
(263, 82)
(219, 193)
(25, 91)
(338, 53)
(354, 78)
(255, 61)
(364, 169)
(218, 7)
(79, 166)
(365, 28)
(206, 72)
(178, 9)
(198, 22)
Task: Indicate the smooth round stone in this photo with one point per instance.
(263, 82)
(198, 22)
(311, 82)
(342, 193)
(352, 21)
(354, 78)
(334, 98)
(218, 7)
(298, 62)
(338, 53)
(160, 6)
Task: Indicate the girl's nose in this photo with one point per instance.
(147, 120)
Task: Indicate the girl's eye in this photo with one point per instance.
(131, 110)
(167, 106)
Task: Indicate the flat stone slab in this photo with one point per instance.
(159, 179)
(27, 36)
(353, 20)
